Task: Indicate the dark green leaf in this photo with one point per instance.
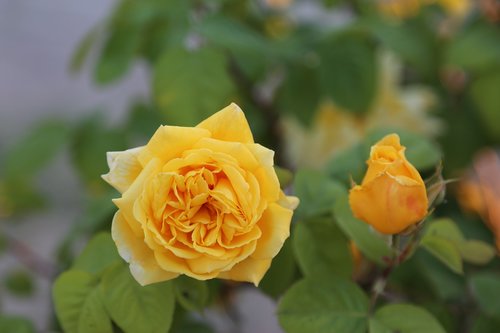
(191, 85)
(486, 290)
(78, 303)
(404, 318)
(484, 92)
(135, 308)
(349, 74)
(20, 283)
(317, 193)
(324, 306)
(191, 294)
(282, 272)
(322, 249)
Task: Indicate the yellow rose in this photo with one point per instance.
(202, 201)
(392, 195)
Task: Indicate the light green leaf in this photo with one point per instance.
(476, 252)
(191, 85)
(444, 250)
(99, 254)
(485, 288)
(135, 308)
(15, 324)
(322, 249)
(349, 164)
(324, 306)
(347, 61)
(404, 318)
(317, 193)
(372, 244)
(78, 303)
(191, 294)
(81, 53)
(444, 228)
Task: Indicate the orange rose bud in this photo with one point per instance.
(392, 195)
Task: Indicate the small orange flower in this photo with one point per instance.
(392, 195)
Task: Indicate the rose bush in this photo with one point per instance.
(201, 201)
(392, 195)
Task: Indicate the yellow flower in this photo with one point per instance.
(392, 195)
(407, 8)
(201, 201)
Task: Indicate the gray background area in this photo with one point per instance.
(37, 38)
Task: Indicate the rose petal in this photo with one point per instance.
(124, 167)
(229, 124)
(132, 249)
(170, 142)
(389, 203)
(249, 270)
(275, 227)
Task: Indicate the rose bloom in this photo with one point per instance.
(202, 201)
(392, 195)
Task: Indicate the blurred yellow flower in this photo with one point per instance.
(202, 201)
(407, 8)
(335, 129)
(278, 4)
(392, 195)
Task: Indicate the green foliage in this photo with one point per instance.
(349, 74)
(324, 305)
(484, 94)
(189, 85)
(15, 324)
(20, 283)
(99, 254)
(486, 290)
(404, 318)
(322, 249)
(317, 193)
(135, 308)
(282, 273)
(191, 294)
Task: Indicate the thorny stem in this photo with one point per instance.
(399, 256)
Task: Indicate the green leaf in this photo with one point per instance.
(82, 51)
(420, 151)
(317, 193)
(135, 308)
(444, 250)
(404, 318)
(90, 144)
(476, 48)
(34, 150)
(408, 40)
(15, 324)
(19, 283)
(348, 164)
(281, 274)
(484, 92)
(348, 61)
(99, 254)
(293, 99)
(476, 252)
(324, 306)
(231, 34)
(191, 85)
(285, 176)
(372, 244)
(322, 249)
(118, 54)
(78, 303)
(485, 288)
(191, 294)
(484, 324)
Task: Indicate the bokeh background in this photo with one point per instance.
(318, 81)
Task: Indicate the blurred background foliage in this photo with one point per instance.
(320, 82)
